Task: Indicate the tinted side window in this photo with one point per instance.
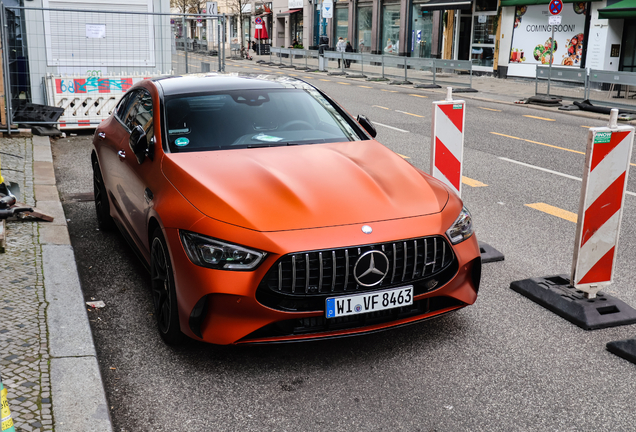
(140, 114)
(124, 104)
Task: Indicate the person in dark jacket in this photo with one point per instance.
(348, 48)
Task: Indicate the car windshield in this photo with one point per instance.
(253, 118)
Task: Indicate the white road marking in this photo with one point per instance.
(390, 127)
(550, 171)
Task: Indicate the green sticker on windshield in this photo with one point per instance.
(181, 142)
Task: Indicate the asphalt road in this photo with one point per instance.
(502, 364)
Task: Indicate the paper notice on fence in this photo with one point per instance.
(95, 31)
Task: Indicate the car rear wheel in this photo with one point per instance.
(164, 296)
(102, 206)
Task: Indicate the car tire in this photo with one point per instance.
(102, 206)
(164, 296)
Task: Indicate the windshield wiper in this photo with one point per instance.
(276, 144)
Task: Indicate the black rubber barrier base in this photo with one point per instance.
(354, 75)
(400, 83)
(489, 253)
(425, 86)
(623, 348)
(464, 90)
(337, 73)
(556, 294)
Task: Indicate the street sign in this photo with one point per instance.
(327, 9)
(212, 8)
(556, 6)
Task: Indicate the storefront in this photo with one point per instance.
(341, 21)
(484, 34)
(425, 32)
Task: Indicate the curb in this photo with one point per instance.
(77, 389)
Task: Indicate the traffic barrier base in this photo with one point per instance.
(464, 90)
(489, 253)
(556, 294)
(427, 86)
(624, 349)
(398, 82)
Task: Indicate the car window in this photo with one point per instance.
(139, 113)
(124, 104)
(253, 118)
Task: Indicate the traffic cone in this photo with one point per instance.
(7, 421)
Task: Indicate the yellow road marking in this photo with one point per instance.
(536, 142)
(306, 77)
(365, 86)
(282, 73)
(403, 157)
(408, 113)
(322, 79)
(554, 211)
(343, 83)
(267, 70)
(587, 127)
(489, 109)
(294, 74)
(539, 118)
(378, 106)
(472, 183)
(416, 95)
(390, 91)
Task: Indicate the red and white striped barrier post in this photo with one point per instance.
(447, 141)
(607, 159)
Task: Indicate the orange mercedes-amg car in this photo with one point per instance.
(266, 213)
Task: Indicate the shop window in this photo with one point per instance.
(390, 29)
(485, 5)
(484, 29)
(363, 33)
(342, 23)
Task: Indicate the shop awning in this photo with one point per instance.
(538, 2)
(622, 9)
(289, 12)
(446, 4)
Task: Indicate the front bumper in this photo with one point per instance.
(230, 312)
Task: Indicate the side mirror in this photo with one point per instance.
(367, 125)
(138, 143)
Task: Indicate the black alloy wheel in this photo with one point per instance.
(102, 206)
(164, 296)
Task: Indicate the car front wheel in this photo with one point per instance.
(102, 206)
(163, 292)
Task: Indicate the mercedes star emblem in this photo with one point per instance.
(371, 268)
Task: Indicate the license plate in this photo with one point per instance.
(369, 302)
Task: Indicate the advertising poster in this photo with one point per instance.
(531, 40)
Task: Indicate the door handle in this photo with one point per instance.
(102, 135)
(121, 154)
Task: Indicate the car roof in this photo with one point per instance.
(212, 82)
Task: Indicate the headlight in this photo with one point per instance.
(462, 228)
(217, 254)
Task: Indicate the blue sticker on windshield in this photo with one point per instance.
(181, 142)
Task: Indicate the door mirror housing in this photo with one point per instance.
(367, 125)
(139, 143)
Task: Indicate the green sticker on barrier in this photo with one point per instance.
(457, 106)
(602, 137)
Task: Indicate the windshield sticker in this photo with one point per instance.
(179, 131)
(181, 142)
(266, 138)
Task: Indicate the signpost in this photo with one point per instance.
(555, 8)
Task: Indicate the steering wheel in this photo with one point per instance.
(295, 125)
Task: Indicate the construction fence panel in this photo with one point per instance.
(83, 60)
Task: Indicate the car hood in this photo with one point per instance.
(305, 186)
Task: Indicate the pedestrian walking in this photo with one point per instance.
(348, 48)
(340, 47)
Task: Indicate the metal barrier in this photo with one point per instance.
(96, 46)
(432, 67)
(562, 74)
(609, 77)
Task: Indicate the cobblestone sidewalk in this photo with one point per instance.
(24, 355)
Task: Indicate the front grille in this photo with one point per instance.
(297, 280)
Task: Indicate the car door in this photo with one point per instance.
(135, 193)
(108, 144)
